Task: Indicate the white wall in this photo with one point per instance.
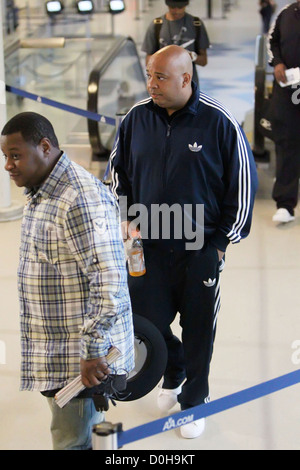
(31, 3)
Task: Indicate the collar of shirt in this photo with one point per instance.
(47, 188)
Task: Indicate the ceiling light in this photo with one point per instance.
(54, 7)
(85, 6)
(116, 6)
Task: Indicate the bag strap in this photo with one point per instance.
(197, 24)
(158, 22)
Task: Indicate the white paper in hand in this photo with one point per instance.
(76, 386)
(292, 76)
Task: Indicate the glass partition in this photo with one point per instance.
(60, 74)
(63, 74)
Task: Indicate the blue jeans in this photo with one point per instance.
(71, 426)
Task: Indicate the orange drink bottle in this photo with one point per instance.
(136, 260)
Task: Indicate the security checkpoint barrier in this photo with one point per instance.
(107, 436)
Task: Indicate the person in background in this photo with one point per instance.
(284, 53)
(72, 280)
(180, 28)
(267, 10)
(182, 153)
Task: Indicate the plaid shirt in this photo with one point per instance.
(72, 279)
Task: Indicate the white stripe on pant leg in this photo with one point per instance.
(217, 303)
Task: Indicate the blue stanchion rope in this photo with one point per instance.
(65, 107)
(208, 409)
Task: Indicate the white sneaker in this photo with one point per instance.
(193, 430)
(283, 216)
(167, 398)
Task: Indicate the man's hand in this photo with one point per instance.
(129, 230)
(193, 55)
(201, 58)
(279, 72)
(94, 371)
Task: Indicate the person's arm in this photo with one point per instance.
(199, 59)
(121, 186)
(279, 73)
(240, 180)
(202, 44)
(274, 51)
(92, 232)
(150, 44)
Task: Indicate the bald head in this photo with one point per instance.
(175, 57)
(169, 73)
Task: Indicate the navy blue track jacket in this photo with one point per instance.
(199, 155)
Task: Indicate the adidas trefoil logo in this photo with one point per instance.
(195, 147)
(210, 282)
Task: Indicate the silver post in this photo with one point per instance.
(105, 436)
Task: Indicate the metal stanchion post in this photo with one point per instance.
(261, 154)
(105, 436)
(137, 10)
(209, 8)
(8, 210)
(119, 118)
(112, 23)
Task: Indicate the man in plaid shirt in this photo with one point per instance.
(72, 279)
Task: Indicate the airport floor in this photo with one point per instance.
(258, 327)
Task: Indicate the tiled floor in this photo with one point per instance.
(259, 318)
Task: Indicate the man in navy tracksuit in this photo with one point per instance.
(181, 150)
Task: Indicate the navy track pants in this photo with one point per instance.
(184, 282)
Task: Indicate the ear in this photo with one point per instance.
(45, 145)
(186, 79)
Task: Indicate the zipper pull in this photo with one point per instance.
(168, 130)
